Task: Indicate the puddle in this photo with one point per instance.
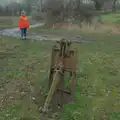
(14, 32)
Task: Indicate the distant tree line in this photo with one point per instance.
(60, 10)
(82, 10)
(14, 8)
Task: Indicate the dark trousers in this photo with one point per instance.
(23, 32)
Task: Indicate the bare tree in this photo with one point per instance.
(98, 4)
(54, 11)
(114, 6)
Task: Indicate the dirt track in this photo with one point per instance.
(14, 32)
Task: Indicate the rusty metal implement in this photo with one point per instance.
(63, 60)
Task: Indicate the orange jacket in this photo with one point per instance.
(23, 22)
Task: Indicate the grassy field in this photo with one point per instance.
(8, 22)
(112, 17)
(24, 69)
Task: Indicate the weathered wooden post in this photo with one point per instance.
(63, 60)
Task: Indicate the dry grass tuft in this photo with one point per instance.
(96, 27)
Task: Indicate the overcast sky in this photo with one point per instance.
(6, 1)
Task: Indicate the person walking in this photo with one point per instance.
(23, 24)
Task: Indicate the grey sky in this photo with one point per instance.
(6, 1)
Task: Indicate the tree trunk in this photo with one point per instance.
(97, 5)
(49, 18)
(114, 6)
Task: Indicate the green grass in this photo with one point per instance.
(112, 17)
(97, 90)
(23, 64)
(98, 72)
(58, 32)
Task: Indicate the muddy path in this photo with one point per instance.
(15, 32)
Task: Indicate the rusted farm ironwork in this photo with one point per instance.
(63, 60)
